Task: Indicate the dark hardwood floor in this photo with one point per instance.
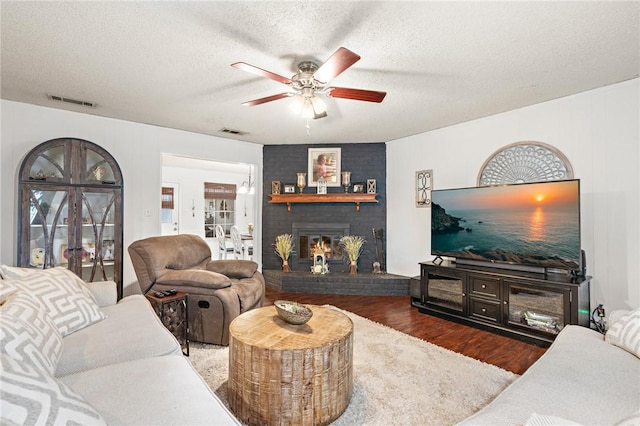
(396, 312)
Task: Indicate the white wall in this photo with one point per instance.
(138, 148)
(598, 131)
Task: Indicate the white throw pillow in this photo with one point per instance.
(28, 334)
(29, 396)
(614, 316)
(625, 332)
(63, 295)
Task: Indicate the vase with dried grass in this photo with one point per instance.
(352, 245)
(284, 248)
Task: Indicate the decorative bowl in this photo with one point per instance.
(293, 312)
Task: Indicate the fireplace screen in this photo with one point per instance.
(326, 236)
(329, 244)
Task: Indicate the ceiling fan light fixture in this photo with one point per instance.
(319, 107)
(312, 79)
(307, 109)
(297, 104)
(307, 104)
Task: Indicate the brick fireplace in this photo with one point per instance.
(281, 163)
(325, 223)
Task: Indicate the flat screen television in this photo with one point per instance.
(529, 224)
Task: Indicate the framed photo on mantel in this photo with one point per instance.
(289, 188)
(324, 162)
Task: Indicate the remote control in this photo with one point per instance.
(159, 294)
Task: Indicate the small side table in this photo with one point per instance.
(172, 311)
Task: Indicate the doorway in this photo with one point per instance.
(192, 208)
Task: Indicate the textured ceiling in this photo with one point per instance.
(441, 63)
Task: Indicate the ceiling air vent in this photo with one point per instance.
(72, 101)
(232, 131)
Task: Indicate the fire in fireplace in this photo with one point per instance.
(326, 236)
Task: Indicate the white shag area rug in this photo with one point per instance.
(397, 379)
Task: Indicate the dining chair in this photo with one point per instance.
(223, 249)
(236, 239)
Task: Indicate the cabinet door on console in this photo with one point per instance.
(446, 290)
(537, 308)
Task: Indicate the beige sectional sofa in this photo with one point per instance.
(97, 362)
(584, 378)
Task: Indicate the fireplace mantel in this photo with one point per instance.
(338, 197)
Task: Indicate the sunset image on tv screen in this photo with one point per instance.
(532, 224)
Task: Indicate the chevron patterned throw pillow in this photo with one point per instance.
(6, 290)
(28, 334)
(63, 296)
(625, 333)
(29, 396)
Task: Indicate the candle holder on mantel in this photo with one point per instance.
(302, 181)
(346, 180)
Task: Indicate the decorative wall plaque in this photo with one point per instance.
(371, 186)
(424, 184)
(522, 162)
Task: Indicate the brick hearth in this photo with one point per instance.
(338, 283)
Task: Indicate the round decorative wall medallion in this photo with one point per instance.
(522, 162)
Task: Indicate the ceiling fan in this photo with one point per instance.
(311, 80)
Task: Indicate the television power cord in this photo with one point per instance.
(597, 318)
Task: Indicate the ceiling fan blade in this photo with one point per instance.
(262, 73)
(322, 115)
(341, 60)
(356, 94)
(267, 99)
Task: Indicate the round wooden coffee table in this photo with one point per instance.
(290, 374)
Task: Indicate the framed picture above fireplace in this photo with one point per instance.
(324, 162)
